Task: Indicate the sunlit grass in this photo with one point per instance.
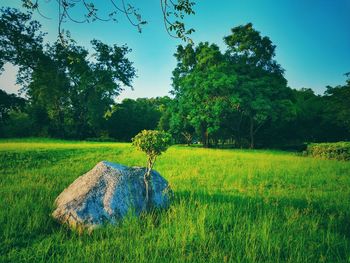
(230, 206)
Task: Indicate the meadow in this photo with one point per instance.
(229, 206)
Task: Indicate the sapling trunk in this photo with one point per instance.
(251, 133)
(146, 179)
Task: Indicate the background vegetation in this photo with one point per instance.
(232, 205)
(338, 151)
(237, 97)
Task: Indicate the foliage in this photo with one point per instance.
(14, 121)
(174, 13)
(337, 151)
(246, 206)
(132, 116)
(202, 84)
(18, 124)
(217, 92)
(9, 102)
(21, 43)
(73, 90)
(338, 104)
(318, 119)
(262, 93)
(309, 121)
(153, 143)
(237, 98)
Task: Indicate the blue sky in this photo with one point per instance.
(312, 38)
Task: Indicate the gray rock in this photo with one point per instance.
(107, 193)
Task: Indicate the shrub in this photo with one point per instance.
(337, 151)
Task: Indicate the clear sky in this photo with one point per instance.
(312, 38)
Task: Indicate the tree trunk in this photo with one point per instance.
(204, 136)
(188, 137)
(60, 124)
(251, 131)
(216, 142)
(146, 179)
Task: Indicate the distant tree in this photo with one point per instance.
(261, 92)
(318, 119)
(9, 102)
(309, 124)
(132, 116)
(153, 143)
(175, 120)
(221, 94)
(338, 104)
(202, 81)
(97, 83)
(19, 124)
(164, 106)
(48, 88)
(181, 127)
(10, 105)
(74, 90)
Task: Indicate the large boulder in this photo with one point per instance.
(107, 193)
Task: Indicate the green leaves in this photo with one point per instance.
(21, 40)
(337, 151)
(132, 116)
(243, 85)
(152, 142)
(338, 104)
(174, 13)
(74, 90)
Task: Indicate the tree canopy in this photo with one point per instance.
(74, 90)
(245, 81)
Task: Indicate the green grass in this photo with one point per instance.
(230, 206)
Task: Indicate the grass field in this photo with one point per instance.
(230, 206)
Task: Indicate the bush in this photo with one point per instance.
(336, 151)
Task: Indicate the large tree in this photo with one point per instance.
(262, 93)
(202, 82)
(73, 87)
(217, 93)
(76, 91)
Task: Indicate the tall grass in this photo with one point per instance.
(230, 206)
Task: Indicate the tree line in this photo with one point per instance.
(238, 97)
(241, 96)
